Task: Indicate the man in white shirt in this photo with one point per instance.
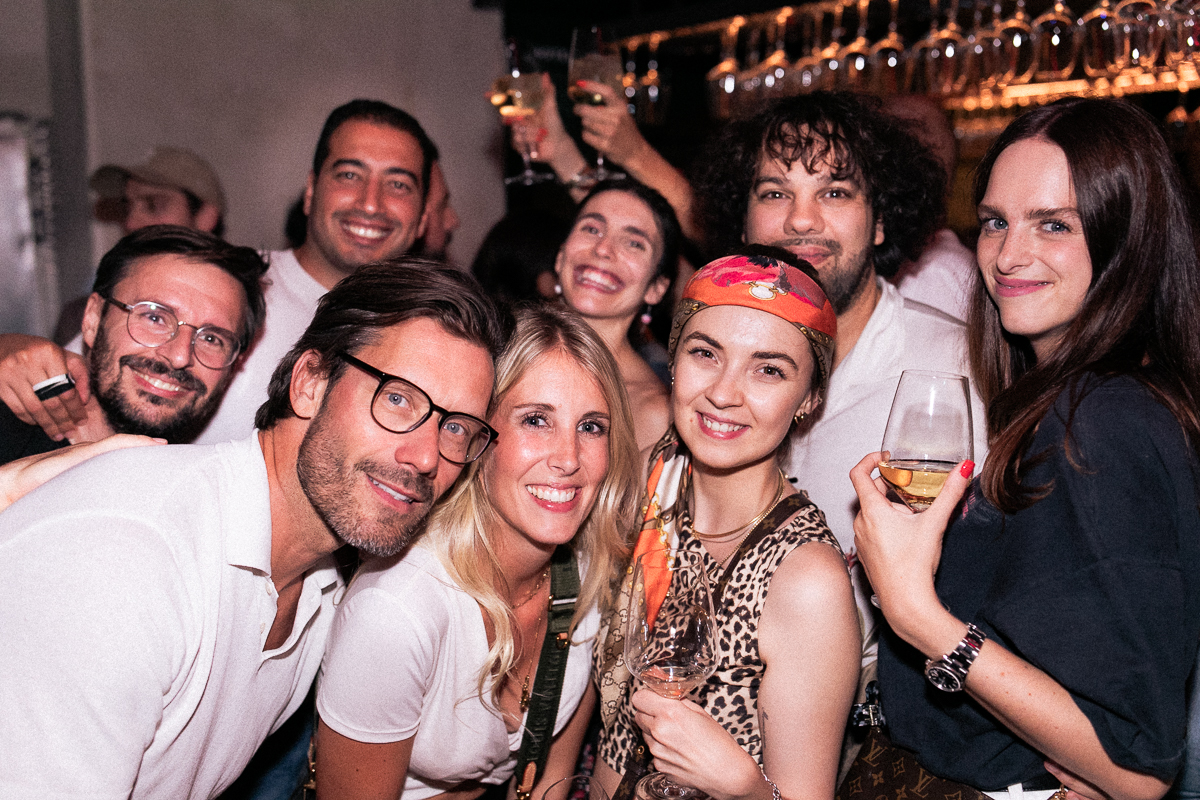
(831, 179)
(165, 608)
(365, 202)
(943, 275)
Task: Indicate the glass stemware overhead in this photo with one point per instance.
(1141, 30)
(916, 77)
(1056, 43)
(1100, 41)
(945, 60)
(805, 72)
(721, 81)
(885, 65)
(831, 54)
(856, 55)
(1017, 35)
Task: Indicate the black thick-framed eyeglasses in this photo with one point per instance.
(152, 324)
(400, 406)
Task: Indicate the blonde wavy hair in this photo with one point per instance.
(459, 530)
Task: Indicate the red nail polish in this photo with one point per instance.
(968, 468)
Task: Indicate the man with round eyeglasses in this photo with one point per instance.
(146, 377)
(164, 609)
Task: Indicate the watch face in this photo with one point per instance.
(943, 678)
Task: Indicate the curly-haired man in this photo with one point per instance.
(834, 180)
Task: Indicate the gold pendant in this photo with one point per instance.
(525, 694)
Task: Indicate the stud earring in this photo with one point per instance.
(646, 317)
(558, 289)
(800, 417)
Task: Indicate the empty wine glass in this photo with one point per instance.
(805, 72)
(1141, 35)
(772, 70)
(831, 54)
(517, 97)
(1182, 29)
(1017, 35)
(586, 62)
(1055, 43)
(721, 81)
(1100, 41)
(928, 433)
(748, 79)
(916, 78)
(855, 55)
(993, 57)
(885, 65)
(944, 61)
(671, 642)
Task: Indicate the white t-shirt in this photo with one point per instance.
(941, 277)
(135, 601)
(403, 660)
(291, 297)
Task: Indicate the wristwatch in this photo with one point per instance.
(949, 673)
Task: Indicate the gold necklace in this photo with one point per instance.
(720, 538)
(754, 522)
(525, 692)
(541, 582)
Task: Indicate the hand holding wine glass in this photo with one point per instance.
(928, 432)
(517, 97)
(588, 70)
(671, 640)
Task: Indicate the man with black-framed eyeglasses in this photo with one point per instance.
(164, 609)
(170, 314)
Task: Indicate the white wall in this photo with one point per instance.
(248, 83)
(24, 70)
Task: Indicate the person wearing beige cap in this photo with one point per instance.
(173, 187)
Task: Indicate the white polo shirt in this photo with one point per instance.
(135, 600)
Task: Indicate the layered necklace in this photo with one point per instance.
(525, 689)
(744, 530)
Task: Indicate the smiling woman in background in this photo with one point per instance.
(616, 264)
(432, 660)
(1066, 601)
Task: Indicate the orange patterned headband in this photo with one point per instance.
(766, 284)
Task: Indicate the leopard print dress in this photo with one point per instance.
(731, 694)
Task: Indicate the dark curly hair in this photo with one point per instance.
(903, 180)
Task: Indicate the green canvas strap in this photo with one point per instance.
(552, 665)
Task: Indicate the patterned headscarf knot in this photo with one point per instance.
(767, 284)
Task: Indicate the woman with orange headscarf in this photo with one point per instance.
(751, 348)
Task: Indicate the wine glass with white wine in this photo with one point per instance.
(670, 644)
(517, 97)
(928, 433)
(586, 62)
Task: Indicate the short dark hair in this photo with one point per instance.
(904, 182)
(243, 263)
(378, 296)
(660, 209)
(382, 114)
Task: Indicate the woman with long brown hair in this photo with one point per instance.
(1065, 598)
